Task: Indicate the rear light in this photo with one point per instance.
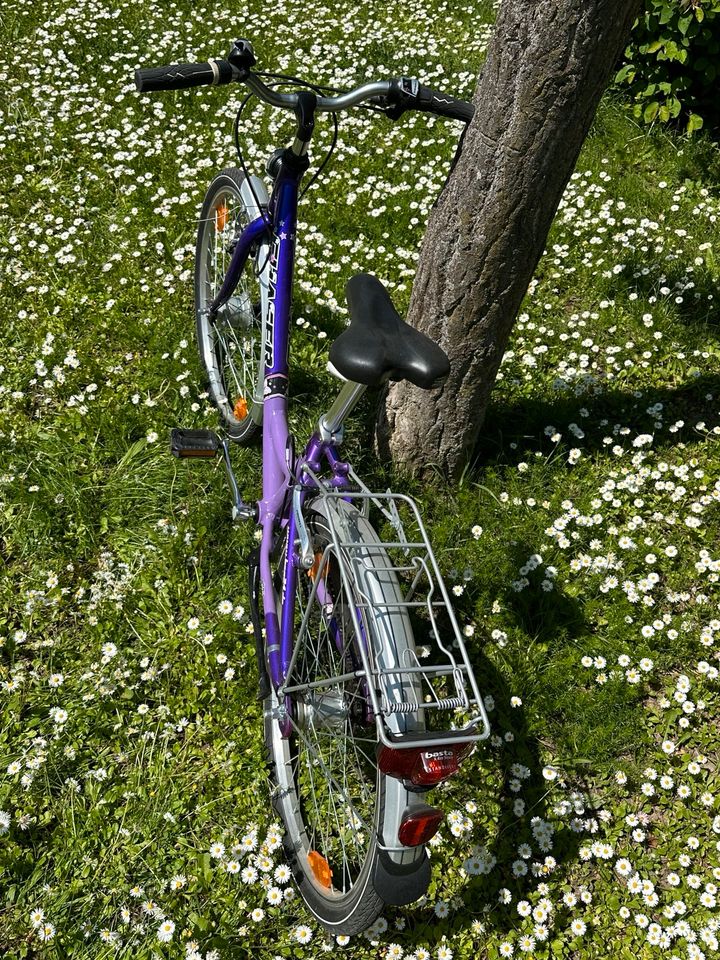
(418, 825)
(423, 768)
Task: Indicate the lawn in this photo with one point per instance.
(581, 544)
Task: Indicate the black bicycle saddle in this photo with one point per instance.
(379, 345)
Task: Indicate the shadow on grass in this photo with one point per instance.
(551, 621)
(546, 616)
(510, 828)
(701, 161)
(700, 306)
(507, 769)
(523, 421)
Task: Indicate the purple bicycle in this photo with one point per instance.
(360, 719)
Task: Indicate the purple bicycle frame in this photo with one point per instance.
(281, 468)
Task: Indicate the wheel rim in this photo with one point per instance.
(328, 772)
(234, 339)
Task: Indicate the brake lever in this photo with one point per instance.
(379, 104)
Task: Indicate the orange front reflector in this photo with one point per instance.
(320, 868)
(313, 571)
(221, 217)
(240, 410)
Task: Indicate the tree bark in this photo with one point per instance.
(547, 66)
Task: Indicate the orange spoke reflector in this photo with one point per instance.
(221, 217)
(313, 571)
(240, 410)
(320, 868)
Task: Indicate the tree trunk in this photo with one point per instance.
(547, 66)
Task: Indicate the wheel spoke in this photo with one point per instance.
(332, 785)
(349, 771)
(336, 769)
(233, 347)
(330, 791)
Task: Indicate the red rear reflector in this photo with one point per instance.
(418, 825)
(424, 768)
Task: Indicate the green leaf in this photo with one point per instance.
(205, 867)
(200, 922)
(672, 51)
(695, 122)
(651, 111)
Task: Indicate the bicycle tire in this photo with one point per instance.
(351, 904)
(232, 347)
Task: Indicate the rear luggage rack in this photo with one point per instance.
(445, 690)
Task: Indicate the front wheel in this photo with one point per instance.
(341, 813)
(231, 345)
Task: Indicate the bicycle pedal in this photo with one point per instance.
(194, 443)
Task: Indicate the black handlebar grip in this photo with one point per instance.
(180, 76)
(442, 104)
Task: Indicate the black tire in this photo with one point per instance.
(325, 774)
(231, 348)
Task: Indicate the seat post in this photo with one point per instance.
(330, 423)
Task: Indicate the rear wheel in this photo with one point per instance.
(231, 346)
(338, 808)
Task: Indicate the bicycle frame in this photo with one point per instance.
(288, 479)
(281, 467)
(350, 663)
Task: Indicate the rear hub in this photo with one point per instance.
(326, 711)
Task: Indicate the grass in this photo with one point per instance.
(598, 546)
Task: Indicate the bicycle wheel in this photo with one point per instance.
(231, 347)
(339, 810)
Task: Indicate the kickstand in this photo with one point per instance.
(240, 510)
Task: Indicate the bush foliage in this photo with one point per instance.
(671, 63)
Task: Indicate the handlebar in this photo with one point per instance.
(393, 97)
(352, 98)
(180, 76)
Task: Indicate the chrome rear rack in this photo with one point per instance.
(445, 696)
